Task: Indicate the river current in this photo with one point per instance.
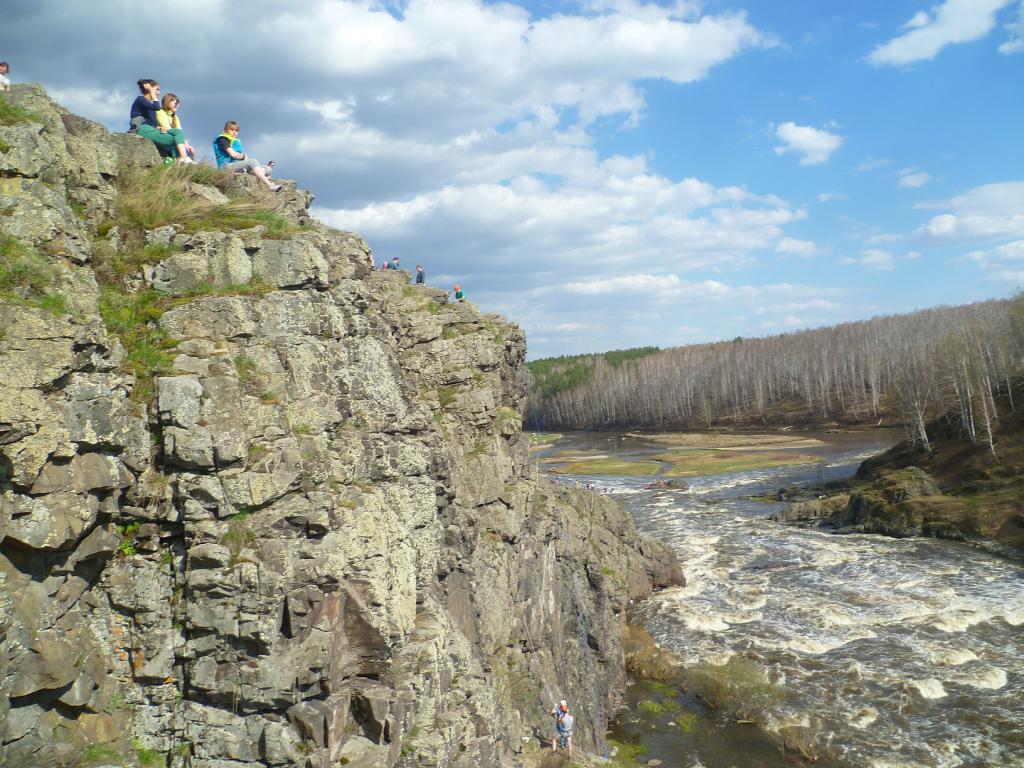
(895, 653)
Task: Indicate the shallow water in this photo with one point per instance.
(895, 652)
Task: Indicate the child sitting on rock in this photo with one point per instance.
(230, 154)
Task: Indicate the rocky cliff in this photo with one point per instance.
(260, 505)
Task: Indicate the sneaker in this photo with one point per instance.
(186, 160)
(276, 187)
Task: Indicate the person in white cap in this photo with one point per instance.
(563, 727)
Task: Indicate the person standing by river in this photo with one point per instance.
(563, 727)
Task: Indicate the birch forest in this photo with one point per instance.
(906, 369)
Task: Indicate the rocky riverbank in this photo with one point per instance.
(261, 506)
(955, 491)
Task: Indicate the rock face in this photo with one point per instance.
(316, 539)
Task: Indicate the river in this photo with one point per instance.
(891, 653)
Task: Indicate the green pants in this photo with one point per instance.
(173, 137)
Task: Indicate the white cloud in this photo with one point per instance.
(819, 305)
(1016, 29)
(873, 163)
(828, 197)
(1000, 256)
(913, 179)
(670, 288)
(954, 21)
(792, 247)
(873, 258)
(613, 216)
(983, 214)
(814, 144)
(100, 105)
(883, 237)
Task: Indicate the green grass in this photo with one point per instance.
(700, 463)
(112, 267)
(738, 688)
(626, 752)
(687, 721)
(544, 438)
(586, 466)
(11, 114)
(152, 198)
(649, 707)
(239, 536)
(26, 277)
(446, 396)
(101, 753)
(133, 319)
(147, 756)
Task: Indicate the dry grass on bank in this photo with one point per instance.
(728, 441)
(155, 197)
(644, 659)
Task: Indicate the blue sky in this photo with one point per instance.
(609, 173)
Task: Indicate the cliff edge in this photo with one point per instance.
(260, 505)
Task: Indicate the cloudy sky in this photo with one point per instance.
(607, 173)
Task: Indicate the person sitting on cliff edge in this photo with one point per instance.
(144, 122)
(230, 154)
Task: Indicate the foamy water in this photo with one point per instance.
(901, 652)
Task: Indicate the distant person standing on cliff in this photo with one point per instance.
(394, 263)
(460, 295)
(5, 81)
(420, 276)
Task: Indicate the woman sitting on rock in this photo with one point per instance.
(143, 121)
(167, 119)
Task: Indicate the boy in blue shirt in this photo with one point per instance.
(230, 154)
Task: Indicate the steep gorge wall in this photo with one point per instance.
(317, 541)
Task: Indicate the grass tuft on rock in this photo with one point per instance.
(26, 277)
(133, 319)
(11, 114)
(160, 196)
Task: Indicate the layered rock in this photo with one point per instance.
(316, 539)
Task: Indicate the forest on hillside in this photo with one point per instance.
(899, 368)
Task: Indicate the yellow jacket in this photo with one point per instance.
(164, 120)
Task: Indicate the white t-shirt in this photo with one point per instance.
(5, 83)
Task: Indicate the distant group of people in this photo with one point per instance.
(156, 118)
(421, 276)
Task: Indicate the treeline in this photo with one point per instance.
(909, 368)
